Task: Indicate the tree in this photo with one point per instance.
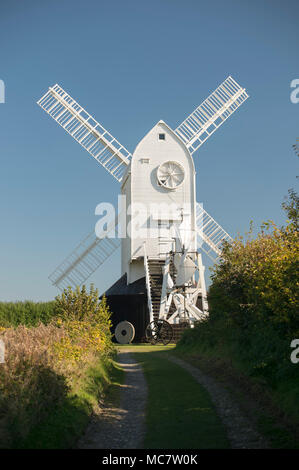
(291, 207)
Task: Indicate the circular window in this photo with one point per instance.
(170, 175)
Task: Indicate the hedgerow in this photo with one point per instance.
(26, 313)
(44, 363)
(257, 281)
(254, 303)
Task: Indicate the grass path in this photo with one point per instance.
(241, 431)
(179, 413)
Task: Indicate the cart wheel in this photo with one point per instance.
(151, 332)
(159, 331)
(166, 332)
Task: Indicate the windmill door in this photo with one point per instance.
(165, 241)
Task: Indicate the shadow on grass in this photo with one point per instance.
(67, 420)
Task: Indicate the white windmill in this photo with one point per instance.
(162, 272)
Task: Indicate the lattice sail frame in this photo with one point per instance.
(211, 114)
(90, 134)
(86, 258)
(210, 232)
(92, 252)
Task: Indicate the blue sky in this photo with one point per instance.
(130, 64)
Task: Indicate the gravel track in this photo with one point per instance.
(240, 431)
(120, 427)
(123, 426)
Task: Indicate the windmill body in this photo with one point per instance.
(158, 204)
(163, 229)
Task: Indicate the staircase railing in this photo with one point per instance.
(148, 285)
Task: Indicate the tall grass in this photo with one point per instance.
(31, 381)
(45, 363)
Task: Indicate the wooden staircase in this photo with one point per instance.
(156, 279)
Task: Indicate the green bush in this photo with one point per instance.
(256, 281)
(254, 302)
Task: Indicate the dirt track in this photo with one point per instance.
(120, 427)
(123, 426)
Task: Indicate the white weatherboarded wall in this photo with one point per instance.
(142, 186)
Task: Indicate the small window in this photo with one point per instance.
(161, 136)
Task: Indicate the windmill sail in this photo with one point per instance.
(101, 145)
(88, 256)
(210, 232)
(211, 114)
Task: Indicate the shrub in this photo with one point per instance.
(256, 281)
(86, 320)
(43, 363)
(254, 301)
